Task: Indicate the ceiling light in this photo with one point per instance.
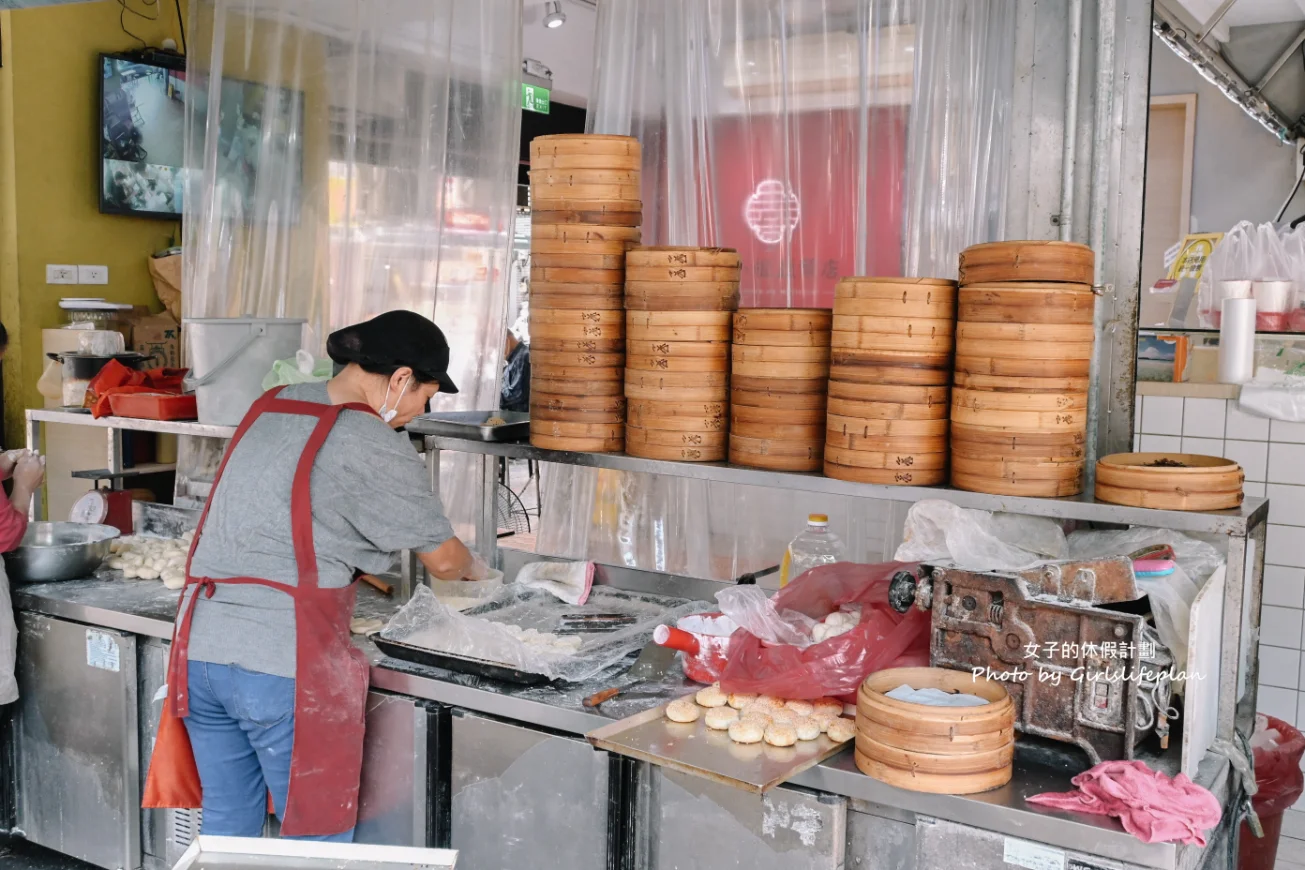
(553, 14)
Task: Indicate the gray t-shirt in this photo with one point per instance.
(371, 499)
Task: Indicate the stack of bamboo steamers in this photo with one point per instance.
(891, 359)
(679, 301)
(1023, 347)
(586, 212)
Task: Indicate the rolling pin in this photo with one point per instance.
(377, 583)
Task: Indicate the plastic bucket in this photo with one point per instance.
(229, 358)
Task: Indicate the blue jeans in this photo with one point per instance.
(242, 729)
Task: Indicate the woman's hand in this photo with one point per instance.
(478, 570)
(29, 472)
(8, 460)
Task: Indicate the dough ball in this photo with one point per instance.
(360, 625)
(823, 718)
(174, 581)
(148, 573)
(682, 710)
(807, 728)
(841, 730)
(740, 700)
(820, 633)
(770, 701)
(746, 732)
(711, 696)
(802, 708)
(832, 706)
(781, 734)
(721, 718)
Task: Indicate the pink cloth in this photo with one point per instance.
(1150, 805)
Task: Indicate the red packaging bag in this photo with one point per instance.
(836, 667)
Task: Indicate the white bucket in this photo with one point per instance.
(230, 356)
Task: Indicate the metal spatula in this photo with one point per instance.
(653, 664)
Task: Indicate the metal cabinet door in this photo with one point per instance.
(402, 800)
(525, 798)
(77, 741)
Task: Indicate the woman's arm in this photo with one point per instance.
(451, 560)
(28, 474)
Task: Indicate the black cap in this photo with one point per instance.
(392, 340)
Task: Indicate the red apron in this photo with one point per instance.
(330, 678)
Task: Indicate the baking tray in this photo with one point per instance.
(459, 664)
(693, 748)
(471, 424)
(240, 853)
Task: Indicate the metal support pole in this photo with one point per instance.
(1101, 138)
(1215, 19)
(37, 510)
(1282, 59)
(487, 522)
(1067, 162)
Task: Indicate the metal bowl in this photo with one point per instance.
(59, 551)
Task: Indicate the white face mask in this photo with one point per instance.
(387, 413)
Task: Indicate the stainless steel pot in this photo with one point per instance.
(59, 551)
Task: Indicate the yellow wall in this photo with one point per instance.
(49, 203)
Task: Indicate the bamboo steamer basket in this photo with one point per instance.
(571, 302)
(577, 445)
(782, 321)
(1027, 303)
(562, 373)
(543, 412)
(609, 276)
(660, 319)
(585, 143)
(894, 393)
(780, 338)
(780, 370)
(679, 274)
(554, 360)
(918, 760)
(676, 364)
(999, 384)
(874, 705)
(1017, 469)
(724, 302)
(1021, 421)
(924, 429)
(581, 234)
(775, 455)
(1024, 350)
(963, 449)
(779, 416)
(611, 162)
(779, 354)
(676, 386)
(575, 387)
(575, 331)
(557, 429)
(542, 194)
(904, 326)
(851, 356)
(1062, 262)
(676, 454)
(1027, 488)
(806, 433)
(716, 440)
(845, 306)
(886, 374)
(568, 260)
(1028, 332)
(797, 403)
(934, 291)
(875, 442)
(798, 386)
(674, 257)
(989, 400)
(610, 214)
(1023, 368)
(558, 247)
(656, 334)
(933, 783)
(1203, 483)
(886, 410)
(572, 317)
(1017, 443)
(577, 345)
(600, 289)
(677, 416)
(700, 349)
(884, 476)
(886, 459)
(556, 176)
(559, 402)
(882, 341)
(935, 744)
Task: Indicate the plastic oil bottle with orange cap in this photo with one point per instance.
(816, 545)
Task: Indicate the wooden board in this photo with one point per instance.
(783, 319)
(887, 410)
(572, 234)
(884, 476)
(663, 257)
(702, 349)
(781, 338)
(1027, 261)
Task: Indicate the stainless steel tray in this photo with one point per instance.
(471, 424)
(693, 748)
(238, 853)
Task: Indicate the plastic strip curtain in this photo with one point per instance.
(361, 157)
(821, 138)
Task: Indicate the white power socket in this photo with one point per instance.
(55, 274)
(92, 274)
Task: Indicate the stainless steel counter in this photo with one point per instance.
(146, 608)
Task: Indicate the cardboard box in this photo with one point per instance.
(158, 336)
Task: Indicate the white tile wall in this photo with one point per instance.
(1202, 417)
(1252, 456)
(1244, 426)
(1163, 415)
(1284, 587)
(1161, 444)
(1279, 667)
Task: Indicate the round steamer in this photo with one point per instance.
(577, 345)
(906, 445)
(934, 291)
(651, 392)
(559, 248)
(1026, 303)
(674, 438)
(542, 195)
(644, 418)
(933, 783)
(574, 261)
(971, 450)
(801, 386)
(874, 705)
(577, 445)
(1003, 440)
(1017, 469)
(608, 277)
(1030, 488)
(1179, 481)
(998, 384)
(664, 257)
(554, 176)
(696, 349)
(886, 459)
(903, 326)
(766, 320)
(677, 454)
(920, 761)
(676, 363)
(775, 455)
(563, 301)
(571, 317)
(780, 370)
(554, 359)
(896, 307)
(652, 302)
(879, 341)
(898, 375)
(1025, 350)
(575, 331)
(904, 358)
(603, 214)
(886, 410)
(661, 319)
(934, 744)
(779, 416)
(1023, 368)
(575, 388)
(611, 162)
(681, 409)
(556, 429)
(554, 402)
(677, 333)
(1169, 501)
(986, 400)
(886, 477)
(679, 274)
(585, 143)
(562, 373)
(1039, 332)
(609, 418)
(809, 433)
(758, 353)
(1065, 262)
(779, 338)
(889, 393)
(583, 233)
(877, 428)
(777, 401)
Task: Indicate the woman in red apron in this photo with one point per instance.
(315, 487)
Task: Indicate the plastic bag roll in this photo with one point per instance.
(1237, 341)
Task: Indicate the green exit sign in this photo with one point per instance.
(534, 98)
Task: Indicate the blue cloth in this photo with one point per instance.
(242, 729)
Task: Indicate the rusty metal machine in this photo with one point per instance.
(1081, 665)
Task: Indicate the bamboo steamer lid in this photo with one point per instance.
(886, 459)
(576, 330)
(639, 301)
(879, 341)
(635, 362)
(1029, 332)
(781, 338)
(1028, 488)
(880, 373)
(895, 393)
(585, 143)
(909, 327)
(657, 334)
(805, 433)
(577, 445)
(702, 349)
(997, 383)
(771, 353)
(1024, 350)
(572, 317)
(1022, 368)
(786, 386)
(616, 162)
(558, 247)
(1065, 262)
(1199, 483)
(680, 274)
(874, 705)
(906, 445)
(541, 262)
(795, 402)
(550, 359)
(643, 450)
(780, 370)
(851, 306)
(613, 214)
(1025, 421)
(867, 428)
(574, 387)
(580, 234)
(660, 257)
(555, 402)
(555, 177)
(563, 373)
(884, 476)
(675, 438)
(1018, 470)
(886, 410)
(577, 345)
(786, 416)
(555, 429)
(571, 302)
(782, 320)
(654, 319)
(985, 400)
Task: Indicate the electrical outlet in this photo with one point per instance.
(60, 274)
(92, 274)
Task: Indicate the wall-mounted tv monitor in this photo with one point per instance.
(142, 115)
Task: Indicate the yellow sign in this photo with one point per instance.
(1193, 255)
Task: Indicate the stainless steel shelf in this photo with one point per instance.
(167, 427)
(1084, 507)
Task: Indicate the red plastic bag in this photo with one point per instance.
(1277, 767)
(835, 667)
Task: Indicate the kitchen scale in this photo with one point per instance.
(108, 507)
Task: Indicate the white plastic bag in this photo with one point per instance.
(1229, 261)
(1274, 394)
(751, 609)
(939, 531)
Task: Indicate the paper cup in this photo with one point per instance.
(1272, 297)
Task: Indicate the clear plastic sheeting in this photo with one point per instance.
(938, 530)
(349, 157)
(821, 138)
